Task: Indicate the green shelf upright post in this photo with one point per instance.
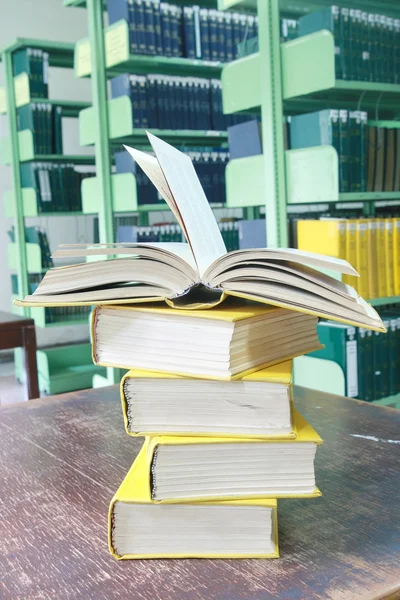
(272, 122)
(99, 101)
(19, 227)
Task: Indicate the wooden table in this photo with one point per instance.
(62, 459)
(19, 332)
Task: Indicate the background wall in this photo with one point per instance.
(46, 19)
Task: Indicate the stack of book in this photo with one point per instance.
(209, 384)
(35, 63)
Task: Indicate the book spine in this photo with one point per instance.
(135, 99)
(157, 27)
(344, 154)
(392, 343)
(166, 28)
(396, 60)
(205, 35)
(361, 362)
(150, 33)
(197, 33)
(355, 150)
(213, 34)
(188, 30)
(344, 42)
(143, 101)
(389, 252)
(363, 151)
(141, 32)
(365, 54)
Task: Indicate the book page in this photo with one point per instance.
(149, 164)
(201, 228)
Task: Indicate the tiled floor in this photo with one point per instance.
(11, 391)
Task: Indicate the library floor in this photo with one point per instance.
(11, 391)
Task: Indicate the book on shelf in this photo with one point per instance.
(35, 63)
(196, 469)
(257, 405)
(163, 29)
(138, 528)
(366, 45)
(201, 273)
(227, 342)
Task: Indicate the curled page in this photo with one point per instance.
(182, 190)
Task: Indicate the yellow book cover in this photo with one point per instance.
(323, 236)
(389, 258)
(135, 490)
(280, 373)
(351, 251)
(362, 256)
(396, 255)
(380, 254)
(372, 259)
(305, 434)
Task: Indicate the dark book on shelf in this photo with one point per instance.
(332, 19)
(379, 159)
(371, 157)
(390, 156)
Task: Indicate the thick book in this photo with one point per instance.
(198, 469)
(138, 528)
(257, 405)
(200, 273)
(224, 343)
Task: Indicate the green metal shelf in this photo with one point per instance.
(27, 153)
(34, 257)
(303, 88)
(384, 301)
(297, 8)
(30, 205)
(119, 60)
(121, 128)
(61, 54)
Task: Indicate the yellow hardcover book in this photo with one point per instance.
(138, 528)
(198, 469)
(323, 236)
(389, 258)
(362, 256)
(372, 259)
(396, 255)
(228, 342)
(258, 405)
(380, 257)
(351, 251)
(200, 273)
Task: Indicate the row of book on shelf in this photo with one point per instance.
(57, 186)
(237, 234)
(371, 245)
(162, 29)
(367, 45)
(370, 360)
(368, 151)
(173, 102)
(35, 63)
(45, 122)
(209, 166)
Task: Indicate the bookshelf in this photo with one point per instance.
(26, 258)
(298, 76)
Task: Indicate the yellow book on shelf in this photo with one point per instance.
(362, 256)
(372, 259)
(396, 255)
(351, 251)
(323, 236)
(389, 258)
(380, 254)
(198, 469)
(138, 528)
(258, 405)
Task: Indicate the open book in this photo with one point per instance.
(200, 273)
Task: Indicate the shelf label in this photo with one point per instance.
(83, 61)
(21, 90)
(117, 44)
(3, 103)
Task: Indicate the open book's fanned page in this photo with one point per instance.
(201, 228)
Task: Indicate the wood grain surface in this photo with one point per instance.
(63, 457)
